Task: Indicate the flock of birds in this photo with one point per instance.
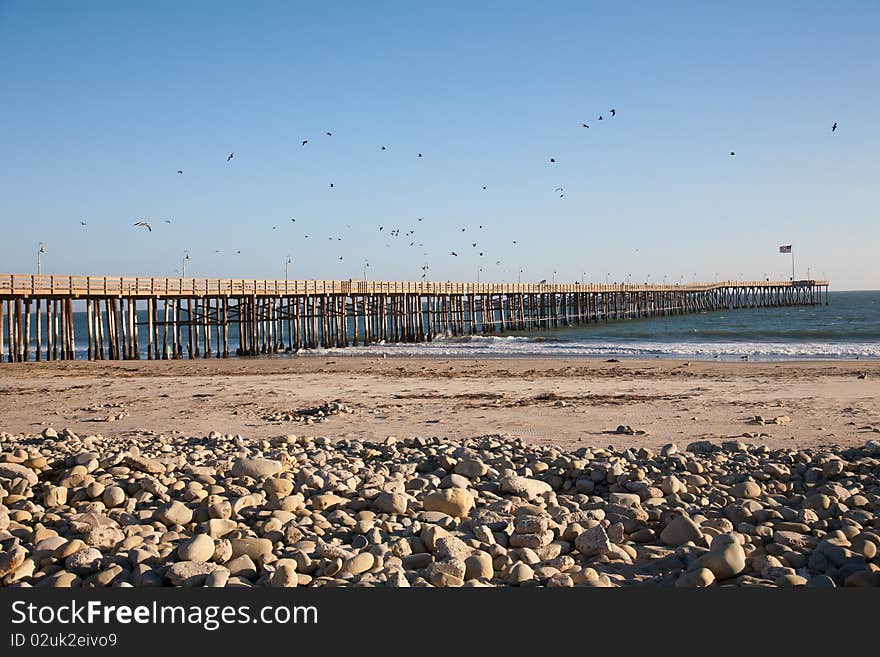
(398, 233)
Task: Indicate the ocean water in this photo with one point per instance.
(847, 328)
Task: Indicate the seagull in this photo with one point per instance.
(558, 189)
(474, 244)
(293, 220)
(383, 148)
(167, 221)
(144, 224)
(600, 117)
(239, 251)
(584, 125)
(180, 171)
(613, 112)
(82, 223)
(514, 241)
(732, 153)
(331, 184)
(231, 155)
(834, 127)
(380, 228)
(329, 134)
(340, 257)
(454, 253)
(305, 141)
(484, 187)
(274, 227)
(420, 154)
(552, 160)
(420, 218)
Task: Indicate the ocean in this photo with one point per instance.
(847, 328)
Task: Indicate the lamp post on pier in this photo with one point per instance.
(40, 252)
(183, 264)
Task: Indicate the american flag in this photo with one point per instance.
(785, 249)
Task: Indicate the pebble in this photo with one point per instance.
(181, 510)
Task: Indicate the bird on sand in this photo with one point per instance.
(231, 155)
(613, 112)
(144, 224)
(834, 127)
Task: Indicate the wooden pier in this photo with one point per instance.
(171, 318)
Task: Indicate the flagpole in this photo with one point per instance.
(792, 264)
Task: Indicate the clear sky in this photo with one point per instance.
(103, 102)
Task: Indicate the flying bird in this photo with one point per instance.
(558, 189)
(167, 221)
(420, 154)
(180, 171)
(484, 187)
(613, 112)
(231, 155)
(481, 253)
(732, 153)
(82, 223)
(293, 220)
(274, 227)
(834, 127)
(305, 141)
(239, 251)
(340, 257)
(584, 125)
(329, 134)
(331, 184)
(420, 218)
(600, 117)
(454, 253)
(552, 160)
(383, 148)
(380, 228)
(144, 224)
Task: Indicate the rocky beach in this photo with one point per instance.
(364, 472)
(224, 510)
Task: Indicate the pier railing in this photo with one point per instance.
(91, 286)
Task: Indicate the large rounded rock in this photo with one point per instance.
(455, 502)
(699, 578)
(530, 489)
(593, 541)
(680, 530)
(173, 513)
(390, 503)
(17, 471)
(726, 559)
(746, 490)
(84, 561)
(256, 468)
(199, 548)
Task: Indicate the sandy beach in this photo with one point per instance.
(569, 403)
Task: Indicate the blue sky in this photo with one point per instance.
(103, 102)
